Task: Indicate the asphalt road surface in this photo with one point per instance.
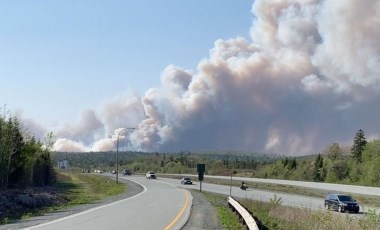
(164, 204)
(159, 206)
(286, 198)
(353, 189)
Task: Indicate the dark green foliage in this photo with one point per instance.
(184, 162)
(358, 146)
(333, 165)
(289, 163)
(340, 169)
(318, 167)
(22, 162)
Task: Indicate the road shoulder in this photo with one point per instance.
(203, 214)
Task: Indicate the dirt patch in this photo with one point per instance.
(14, 203)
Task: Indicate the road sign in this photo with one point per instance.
(201, 168)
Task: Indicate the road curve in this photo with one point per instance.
(159, 206)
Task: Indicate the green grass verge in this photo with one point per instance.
(87, 188)
(273, 215)
(372, 201)
(72, 189)
(228, 219)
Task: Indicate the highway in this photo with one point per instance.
(286, 198)
(159, 206)
(353, 189)
(166, 204)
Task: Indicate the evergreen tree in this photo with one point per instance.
(22, 161)
(358, 146)
(318, 165)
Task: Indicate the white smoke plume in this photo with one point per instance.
(308, 76)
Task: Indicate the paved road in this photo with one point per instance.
(353, 189)
(287, 199)
(159, 206)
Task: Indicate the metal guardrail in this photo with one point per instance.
(243, 213)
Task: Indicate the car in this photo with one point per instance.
(150, 175)
(126, 172)
(341, 203)
(186, 180)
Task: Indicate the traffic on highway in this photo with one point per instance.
(166, 203)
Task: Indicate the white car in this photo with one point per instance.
(150, 175)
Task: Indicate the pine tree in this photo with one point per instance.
(358, 146)
(318, 165)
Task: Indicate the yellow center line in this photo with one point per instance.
(180, 213)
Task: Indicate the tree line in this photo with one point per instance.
(358, 164)
(24, 161)
(178, 162)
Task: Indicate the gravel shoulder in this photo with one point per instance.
(203, 214)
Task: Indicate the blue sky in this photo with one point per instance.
(60, 57)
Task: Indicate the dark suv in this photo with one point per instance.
(341, 203)
(126, 172)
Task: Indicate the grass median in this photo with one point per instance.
(273, 215)
(364, 200)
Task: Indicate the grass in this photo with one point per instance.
(362, 199)
(227, 218)
(73, 189)
(372, 201)
(275, 216)
(87, 188)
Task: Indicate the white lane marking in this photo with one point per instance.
(168, 183)
(90, 210)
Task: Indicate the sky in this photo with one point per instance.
(285, 76)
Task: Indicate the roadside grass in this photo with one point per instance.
(75, 189)
(371, 201)
(364, 200)
(227, 218)
(87, 188)
(273, 215)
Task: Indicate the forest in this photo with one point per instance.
(357, 164)
(24, 161)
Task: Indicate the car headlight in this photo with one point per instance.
(344, 204)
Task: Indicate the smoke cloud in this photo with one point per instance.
(308, 76)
